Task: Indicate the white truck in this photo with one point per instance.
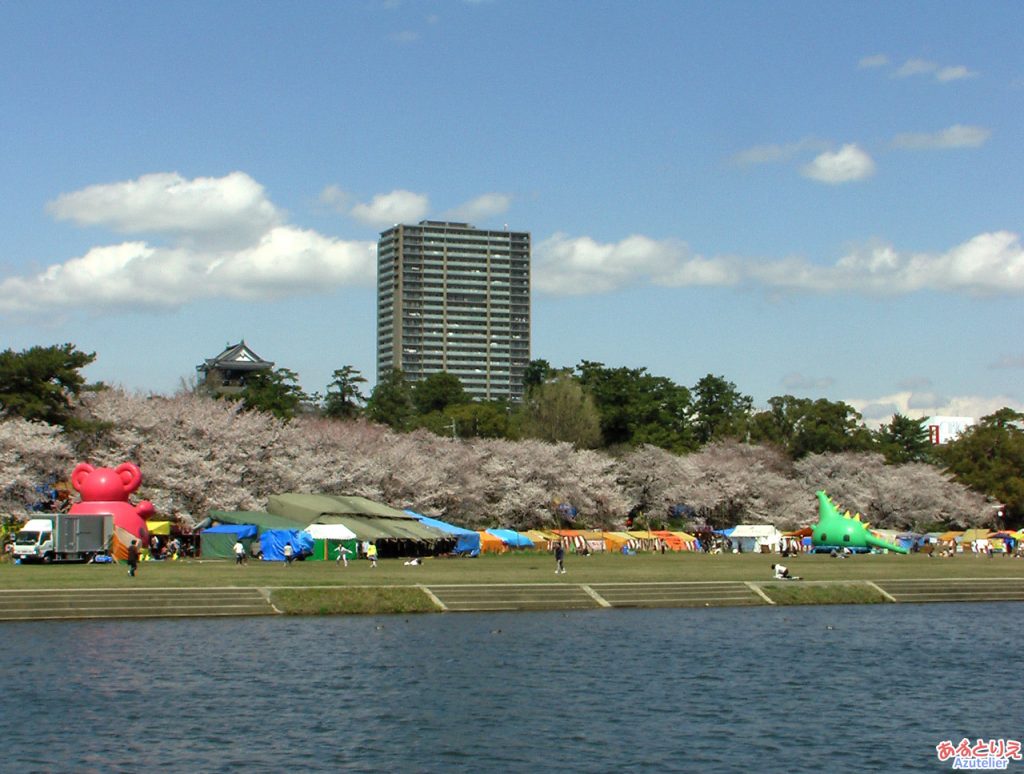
(64, 538)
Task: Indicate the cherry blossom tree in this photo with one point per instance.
(199, 454)
(31, 454)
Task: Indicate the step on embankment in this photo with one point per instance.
(82, 604)
(677, 594)
(575, 596)
(955, 590)
(466, 599)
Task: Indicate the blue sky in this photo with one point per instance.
(815, 198)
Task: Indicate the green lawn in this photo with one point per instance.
(530, 567)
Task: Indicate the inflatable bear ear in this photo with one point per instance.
(80, 475)
(130, 476)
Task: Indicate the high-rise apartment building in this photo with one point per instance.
(454, 298)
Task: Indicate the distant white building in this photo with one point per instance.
(946, 429)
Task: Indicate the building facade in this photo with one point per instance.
(226, 373)
(454, 298)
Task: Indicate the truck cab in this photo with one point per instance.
(34, 541)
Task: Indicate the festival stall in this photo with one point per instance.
(491, 544)
(541, 539)
(467, 541)
(511, 538)
(756, 538)
(218, 542)
(394, 532)
(328, 538)
(273, 541)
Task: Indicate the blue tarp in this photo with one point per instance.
(241, 530)
(512, 538)
(273, 541)
(467, 541)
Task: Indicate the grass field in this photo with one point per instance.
(529, 567)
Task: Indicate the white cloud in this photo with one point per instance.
(875, 60)
(879, 410)
(955, 73)
(771, 154)
(987, 264)
(847, 164)
(391, 208)
(335, 198)
(286, 261)
(956, 136)
(579, 266)
(225, 210)
(942, 73)
(914, 67)
(482, 207)
(229, 243)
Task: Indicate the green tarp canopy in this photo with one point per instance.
(369, 528)
(220, 545)
(308, 508)
(367, 519)
(261, 519)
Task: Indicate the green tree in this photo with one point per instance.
(344, 399)
(802, 426)
(535, 373)
(825, 426)
(42, 383)
(560, 410)
(487, 419)
(437, 392)
(904, 440)
(275, 391)
(390, 402)
(719, 409)
(637, 407)
(989, 458)
(778, 424)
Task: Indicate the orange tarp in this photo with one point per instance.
(491, 544)
(616, 540)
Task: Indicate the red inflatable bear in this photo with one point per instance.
(106, 490)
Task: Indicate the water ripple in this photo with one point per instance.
(796, 689)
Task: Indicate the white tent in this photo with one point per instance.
(330, 532)
(753, 538)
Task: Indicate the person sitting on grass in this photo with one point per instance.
(782, 573)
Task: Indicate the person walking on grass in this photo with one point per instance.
(371, 554)
(559, 559)
(133, 558)
(289, 554)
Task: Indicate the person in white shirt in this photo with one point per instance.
(342, 553)
(782, 572)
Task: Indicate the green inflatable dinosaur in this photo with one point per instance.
(844, 530)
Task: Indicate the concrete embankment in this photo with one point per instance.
(84, 604)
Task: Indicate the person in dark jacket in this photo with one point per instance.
(559, 558)
(133, 558)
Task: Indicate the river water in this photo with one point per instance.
(843, 688)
